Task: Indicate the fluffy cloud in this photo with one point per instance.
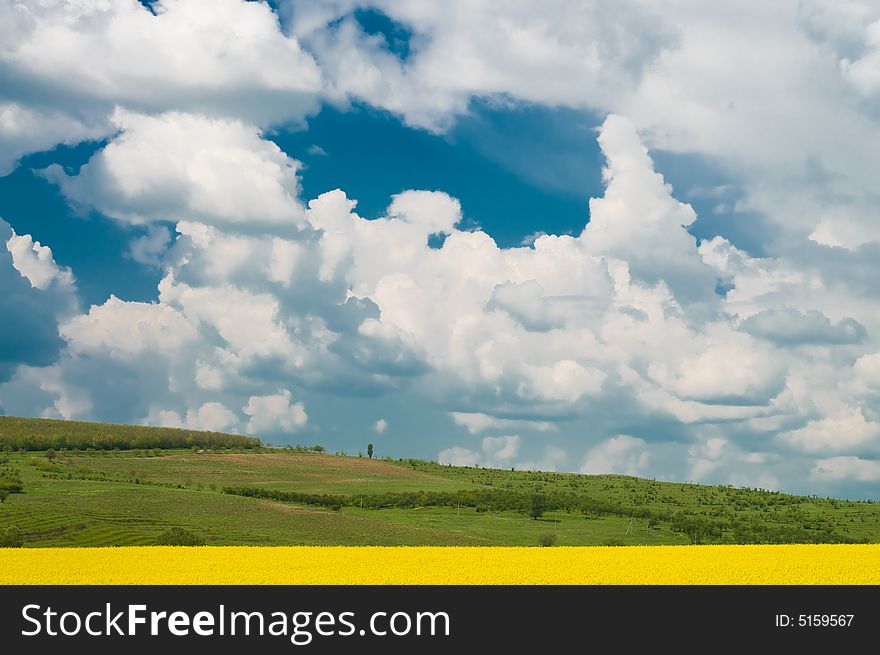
(843, 431)
(35, 262)
(862, 70)
(24, 130)
(96, 53)
(180, 166)
(69, 65)
(846, 467)
(622, 454)
(274, 413)
(495, 452)
(149, 248)
(123, 330)
(727, 368)
(212, 416)
(469, 48)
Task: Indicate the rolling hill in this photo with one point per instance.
(233, 490)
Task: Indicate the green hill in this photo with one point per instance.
(244, 494)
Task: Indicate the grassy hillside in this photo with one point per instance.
(284, 496)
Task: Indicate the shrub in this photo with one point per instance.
(11, 486)
(179, 537)
(11, 538)
(547, 539)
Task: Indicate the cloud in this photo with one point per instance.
(35, 262)
(212, 416)
(88, 55)
(183, 166)
(846, 468)
(496, 452)
(866, 370)
(790, 327)
(380, 426)
(469, 49)
(727, 369)
(123, 330)
(24, 130)
(274, 412)
(638, 220)
(863, 72)
(622, 454)
(149, 248)
(843, 431)
(69, 66)
(475, 422)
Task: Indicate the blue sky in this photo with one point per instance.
(591, 238)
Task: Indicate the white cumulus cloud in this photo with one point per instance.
(274, 412)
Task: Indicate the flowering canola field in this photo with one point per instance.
(770, 564)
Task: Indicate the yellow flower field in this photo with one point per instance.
(795, 564)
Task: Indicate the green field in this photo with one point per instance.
(262, 496)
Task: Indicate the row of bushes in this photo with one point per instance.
(496, 500)
(698, 528)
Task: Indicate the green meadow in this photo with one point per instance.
(243, 493)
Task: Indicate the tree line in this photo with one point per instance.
(43, 434)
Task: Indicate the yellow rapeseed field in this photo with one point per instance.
(795, 564)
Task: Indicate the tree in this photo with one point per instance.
(537, 508)
(50, 455)
(370, 450)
